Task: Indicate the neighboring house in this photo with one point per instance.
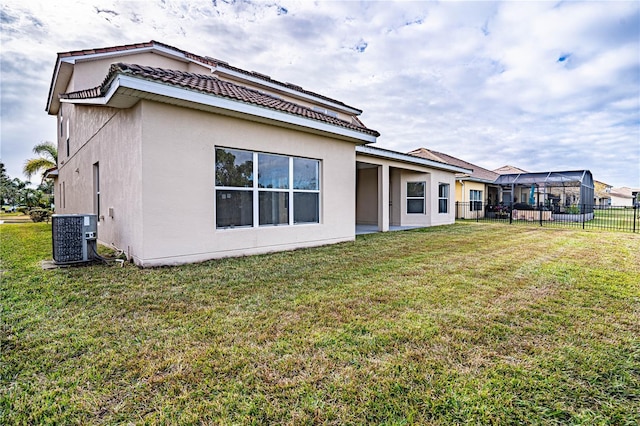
(509, 170)
(601, 194)
(186, 158)
(474, 189)
(622, 197)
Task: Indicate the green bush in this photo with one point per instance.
(40, 215)
(573, 210)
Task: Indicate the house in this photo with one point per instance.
(474, 190)
(602, 194)
(186, 158)
(509, 170)
(622, 197)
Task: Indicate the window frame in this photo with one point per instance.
(445, 198)
(67, 139)
(256, 189)
(96, 189)
(423, 197)
(475, 200)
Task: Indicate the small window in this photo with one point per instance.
(475, 199)
(415, 197)
(443, 198)
(68, 137)
(96, 189)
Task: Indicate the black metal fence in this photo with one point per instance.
(585, 216)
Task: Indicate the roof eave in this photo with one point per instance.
(474, 179)
(59, 82)
(135, 89)
(407, 158)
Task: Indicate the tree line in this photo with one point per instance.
(18, 194)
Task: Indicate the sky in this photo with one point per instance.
(543, 86)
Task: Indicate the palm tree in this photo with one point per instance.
(48, 158)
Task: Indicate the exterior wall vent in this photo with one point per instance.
(325, 111)
(74, 238)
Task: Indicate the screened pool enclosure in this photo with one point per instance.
(558, 192)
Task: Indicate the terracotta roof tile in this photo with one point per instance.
(205, 60)
(213, 86)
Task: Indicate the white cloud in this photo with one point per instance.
(478, 80)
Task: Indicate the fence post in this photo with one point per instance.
(540, 214)
(635, 208)
(511, 212)
(583, 209)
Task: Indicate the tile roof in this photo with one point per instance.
(212, 85)
(509, 170)
(202, 59)
(478, 172)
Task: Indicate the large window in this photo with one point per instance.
(475, 198)
(415, 197)
(443, 198)
(286, 191)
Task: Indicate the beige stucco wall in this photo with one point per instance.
(367, 196)
(178, 186)
(111, 138)
(88, 74)
(400, 174)
(463, 196)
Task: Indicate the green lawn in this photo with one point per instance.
(465, 324)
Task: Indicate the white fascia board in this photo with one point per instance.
(154, 48)
(285, 89)
(156, 88)
(472, 179)
(406, 158)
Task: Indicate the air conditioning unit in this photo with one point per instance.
(74, 238)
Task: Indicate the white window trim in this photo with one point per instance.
(473, 200)
(423, 198)
(448, 186)
(255, 189)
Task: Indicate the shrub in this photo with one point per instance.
(40, 215)
(573, 210)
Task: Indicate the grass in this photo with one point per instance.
(465, 324)
(616, 218)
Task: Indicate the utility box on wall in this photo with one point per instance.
(74, 238)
